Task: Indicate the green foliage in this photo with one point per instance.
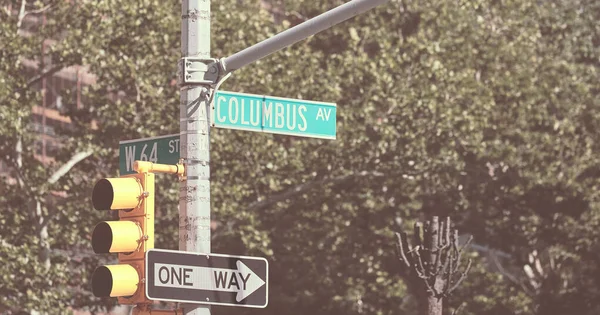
(482, 110)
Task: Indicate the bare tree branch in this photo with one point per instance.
(443, 245)
(401, 251)
(6, 11)
(65, 168)
(302, 188)
(423, 274)
(448, 228)
(446, 263)
(434, 260)
(455, 312)
(21, 14)
(418, 229)
(43, 75)
(508, 275)
(18, 163)
(486, 249)
(17, 166)
(460, 251)
(42, 9)
(463, 276)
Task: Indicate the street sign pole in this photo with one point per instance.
(198, 76)
(194, 190)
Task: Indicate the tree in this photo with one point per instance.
(432, 262)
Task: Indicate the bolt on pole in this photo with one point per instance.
(194, 190)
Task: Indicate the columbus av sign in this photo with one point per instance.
(274, 115)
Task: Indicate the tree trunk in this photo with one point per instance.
(44, 254)
(434, 306)
(431, 263)
(432, 243)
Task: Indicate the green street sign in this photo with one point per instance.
(163, 149)
(271, 114)
(245, 112)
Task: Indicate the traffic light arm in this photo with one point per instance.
(149, 167)
(209, 71)
(297, 33)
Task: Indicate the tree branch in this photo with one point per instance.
(463, 276)
(17, 167)
(6, 11)
(422, 273)
(302, 188)
(437, 243)
(445, 265)
(418, 228)
(455, 312)
(443, 245)
(460, 251)
(42, 9)
(21, 15)
(510, 277)
(401, 251)
(43, 75)
(65, 168)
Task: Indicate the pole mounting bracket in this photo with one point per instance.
(198, 71)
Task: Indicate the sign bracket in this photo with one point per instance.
(195, 70)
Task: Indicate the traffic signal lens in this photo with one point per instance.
(114, 281)
(117, 194)
(116, 237)
(102, 238)
(103, 195)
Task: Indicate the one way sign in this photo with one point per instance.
(186, 277)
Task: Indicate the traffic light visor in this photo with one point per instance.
(117, 193)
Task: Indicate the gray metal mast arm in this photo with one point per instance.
(298, 33)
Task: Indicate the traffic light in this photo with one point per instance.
(130, 237)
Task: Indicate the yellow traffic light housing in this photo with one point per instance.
(130, 237)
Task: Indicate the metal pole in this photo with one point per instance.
(298, 33)
(194, 190)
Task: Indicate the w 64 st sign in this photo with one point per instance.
(164, 150)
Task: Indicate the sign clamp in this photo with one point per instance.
(194, 71)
